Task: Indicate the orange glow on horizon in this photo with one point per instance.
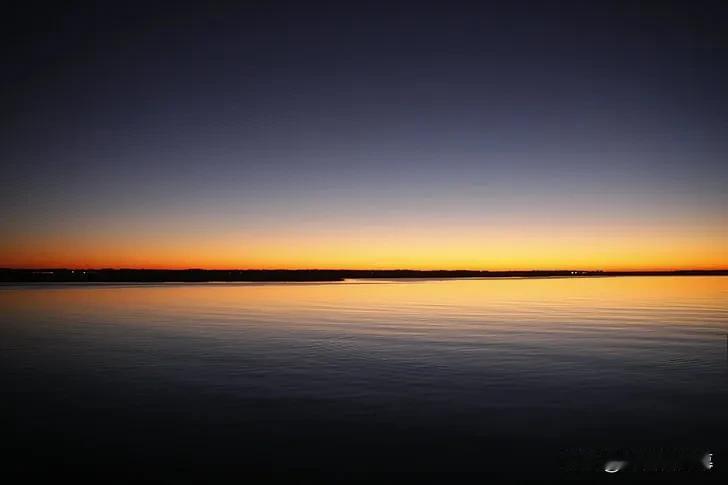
(562, 249)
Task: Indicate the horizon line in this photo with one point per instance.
(121, 268)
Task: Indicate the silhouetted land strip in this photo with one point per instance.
(202, 275)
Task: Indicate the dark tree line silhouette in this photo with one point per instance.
(62, 275)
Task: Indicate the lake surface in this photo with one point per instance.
(360, 378)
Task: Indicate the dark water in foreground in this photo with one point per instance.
(367, 378)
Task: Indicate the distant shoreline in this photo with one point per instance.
(52, 275)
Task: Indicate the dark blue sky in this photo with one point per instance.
(272, 118)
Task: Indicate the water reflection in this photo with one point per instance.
(549, 362)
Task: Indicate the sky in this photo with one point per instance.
(511, 135)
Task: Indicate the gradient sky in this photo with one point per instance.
(528, 135)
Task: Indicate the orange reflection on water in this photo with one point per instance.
(422, 296)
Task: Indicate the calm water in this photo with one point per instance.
(361, 377)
